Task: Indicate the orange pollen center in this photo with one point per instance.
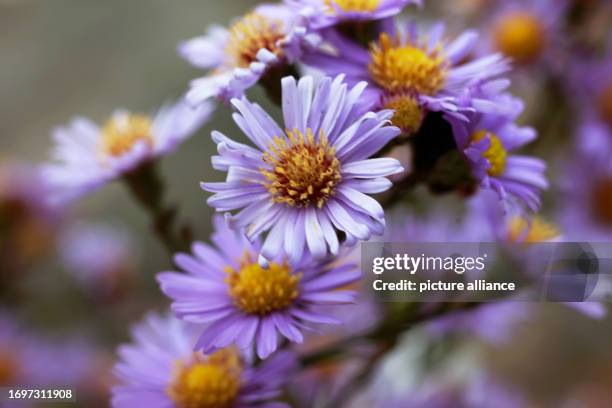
(249, 35)
(303, 171)
(361, 6)
(519, 35)
(122, 132)
(531, 232)
(259, 290)
(407, 69)
(496, 154)
(407, 115)
(207, 381)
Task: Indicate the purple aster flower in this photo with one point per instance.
(591, 88)
(160, 369)
(306, 183)
(69, 361)
(246, 303)
(411, 71)
(585, 213)
(487, 138)
(27, 359)
(27, 223)
(526, 31)
(268, 37)
(101, 256)
(87, 156)
(325, 13)
(492, 322)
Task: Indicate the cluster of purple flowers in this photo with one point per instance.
(300, 191)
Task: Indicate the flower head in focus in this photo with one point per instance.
(487, 140)
(526, 31)
(325, 13)
(269, 37)
(160, 369)
(304, 184)
(247, 304)
(87, 156)
(411, 71)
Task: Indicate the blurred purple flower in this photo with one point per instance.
(160, 369)
(591, 90)
(493, 322)
(30, 360)
(527, 31)
(306, 183)
(585, 213)
(410, 71)
(100, 256)
(270, 36)
(325, 13)
(86, 156)
(247, 304)
(27, 224)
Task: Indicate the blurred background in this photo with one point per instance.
(64, 58)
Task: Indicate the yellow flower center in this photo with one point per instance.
(601, 201)
(406, 68)
(408, 115)
(304, 171)
(258, 290)
(361, 6)
(9, 369)
(605, 104)
(249, 35)
(496, 153)
(538, 230)
(207, 381)
(519, 35)
(121, 133)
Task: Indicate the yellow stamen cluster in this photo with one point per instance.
(122, 132)
(259, 290)
(408, 115)
(519, 35)
(304, 171)
(249, 35)
(604, 104)
(409, 68)
(602, 201)
(496, 153)
(360, 6)
(531, 232)
(207, 381)
(8, 368)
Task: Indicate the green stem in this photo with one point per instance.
(147, 188)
